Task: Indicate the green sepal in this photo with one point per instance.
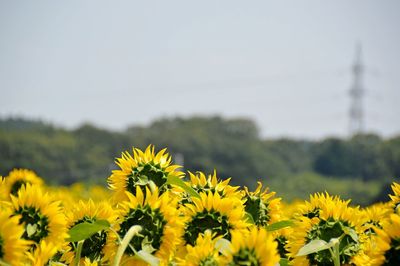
(351, 232)
(249, 218)
(31, 229)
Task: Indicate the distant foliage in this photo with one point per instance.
(233, 146)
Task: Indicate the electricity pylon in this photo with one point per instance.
(356, 113)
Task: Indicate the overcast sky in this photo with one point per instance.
(285, 64)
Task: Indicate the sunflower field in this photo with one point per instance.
(154, 214)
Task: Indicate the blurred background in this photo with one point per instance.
(301, 95)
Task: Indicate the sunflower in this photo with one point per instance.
(87, 262)
(203, 253)
(143, 169)
(42, 254)
(395, 199)
(281, 236)
(373, 219)
(65, 195)
(388, 241)
(101, 245)
(160, 222)
(253, 247)
(312, 208)
(287, 211)
(324, 218)
(201, 183)
(12, 246)
(212, 212)
(263, 207)
(41, 217)
(290, 209)
(4, 198)
(98, 193)
(374, 216)
(17, 178)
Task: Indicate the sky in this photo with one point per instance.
(284, 64)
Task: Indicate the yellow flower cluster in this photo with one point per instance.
(154, 214)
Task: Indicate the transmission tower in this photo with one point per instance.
(356, 113)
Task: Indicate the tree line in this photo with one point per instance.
(360, 167)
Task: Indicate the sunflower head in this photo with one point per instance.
(204, 184)
(282, 238)
(373, 217)
(12, 245)
(290, 209)
(41, 217)
(159, 219)
(144, 169)
(18, 178)
(334, 219)
(214, 213)
(312, 208)
(395, 198)
(211, 183)
(88, 262)
(43, 253)
(203, 253)
(263, 207)
(253, 247)
(100, 246)
(388, 240)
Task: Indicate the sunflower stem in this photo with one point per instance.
(336, 254)
(134, 230)
(78, 253)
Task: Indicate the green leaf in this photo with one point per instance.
(147, 257)
(174, 180)
(223, 246)
(85, 230)
(284, 262)
(279, 225)
(316, 246)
